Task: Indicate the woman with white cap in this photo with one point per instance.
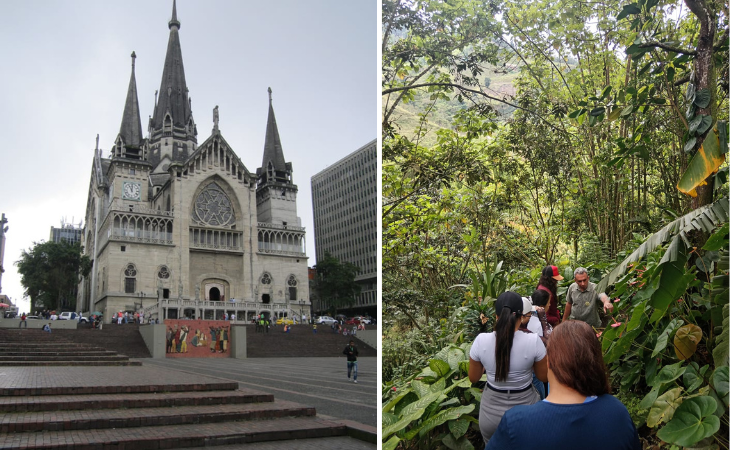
(509, 358)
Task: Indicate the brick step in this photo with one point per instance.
(69, 363)
(178, 436)
(59, 358)
(96, 402)
(57, 353)
(126, 418)
(324, 443)
(27, 343)
(112, 389)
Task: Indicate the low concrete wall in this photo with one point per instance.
(154, 338)
(238, 342)
(38, 323)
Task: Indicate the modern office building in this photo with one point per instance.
(66, 232)
(344, 199)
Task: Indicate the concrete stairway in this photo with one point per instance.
(301, 342)
(26, 347)
(123, 414)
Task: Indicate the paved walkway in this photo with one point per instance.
(318, 382)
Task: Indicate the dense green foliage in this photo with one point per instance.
(608, 152)
(50, 272)
(335, 282)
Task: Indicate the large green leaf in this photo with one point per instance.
(672, 285)
(404, 421)
(420, 388)
(663, 408)
(459, 427)
(461, 443)
(454, 357)
(622, 345)
(663, 340)
(703, 164)
(669, 373)
(422, 403)
(721, 383)
(395, 400)
(693, 377)
(716, 213)
(693, 421)
(720, 352)
(392, 443)
(718, 239)
(439, 366)
(444, 416)
(649, 398)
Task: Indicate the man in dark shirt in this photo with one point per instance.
(351, 352)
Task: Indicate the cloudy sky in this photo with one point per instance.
(66, 67)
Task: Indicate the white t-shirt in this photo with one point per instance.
(527, 348)
(534, 325)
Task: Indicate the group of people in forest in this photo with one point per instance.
(546, 383)
(177, 339)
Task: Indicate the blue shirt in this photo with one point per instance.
(601, 424)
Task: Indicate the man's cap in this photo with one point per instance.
(510, 300)
(527, 305)
(552, 271)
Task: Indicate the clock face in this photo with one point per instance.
(131, 191)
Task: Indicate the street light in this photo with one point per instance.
(301, 304)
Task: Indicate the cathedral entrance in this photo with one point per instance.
(215, 290)
(215, 294)
(266, 298)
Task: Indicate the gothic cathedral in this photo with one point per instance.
(180, 229)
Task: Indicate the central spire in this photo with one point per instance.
(274, 166)
(173, 106)
(131, 129)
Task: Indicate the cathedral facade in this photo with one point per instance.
(176, 228)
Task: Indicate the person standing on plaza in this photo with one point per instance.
(23, 322)
(549, 282)
(351, 352)
(583, 302)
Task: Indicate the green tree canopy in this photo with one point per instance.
(50, 272)
(336, 281)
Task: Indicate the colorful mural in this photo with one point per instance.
(198, 338)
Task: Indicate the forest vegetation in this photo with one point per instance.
(607, 151)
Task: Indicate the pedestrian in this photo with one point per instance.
(47, 328)
(23, 322)
(351, 352)
(549, 282)
(233, 317)
(583, 302)
(579, 401)
(119, 318)
(509, 357)
(314, 328)
(126, 318)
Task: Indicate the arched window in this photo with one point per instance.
(292, 282)
(130, 279)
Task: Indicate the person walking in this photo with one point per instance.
(579, 411)
(509, 357)
(23, 321)
(351, 352)
(582, 302)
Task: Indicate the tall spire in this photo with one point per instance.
(272, 145)
(173, 94)
(131, 129)
(174, 22)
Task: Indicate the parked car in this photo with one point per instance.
(365, 320)
(67, 315)
(33, 317)
(82, 319)
(352, 321)
(284, 321)
(324, 320)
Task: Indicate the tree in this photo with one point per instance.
(50, 272)
(336, 281)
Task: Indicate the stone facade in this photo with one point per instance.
(179, 229)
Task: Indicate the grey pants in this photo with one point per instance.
(495, 404)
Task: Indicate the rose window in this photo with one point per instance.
(212, 207)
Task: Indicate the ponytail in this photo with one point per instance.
(504, 332)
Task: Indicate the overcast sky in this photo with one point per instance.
(66, 68)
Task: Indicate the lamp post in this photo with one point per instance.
(301, 305)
